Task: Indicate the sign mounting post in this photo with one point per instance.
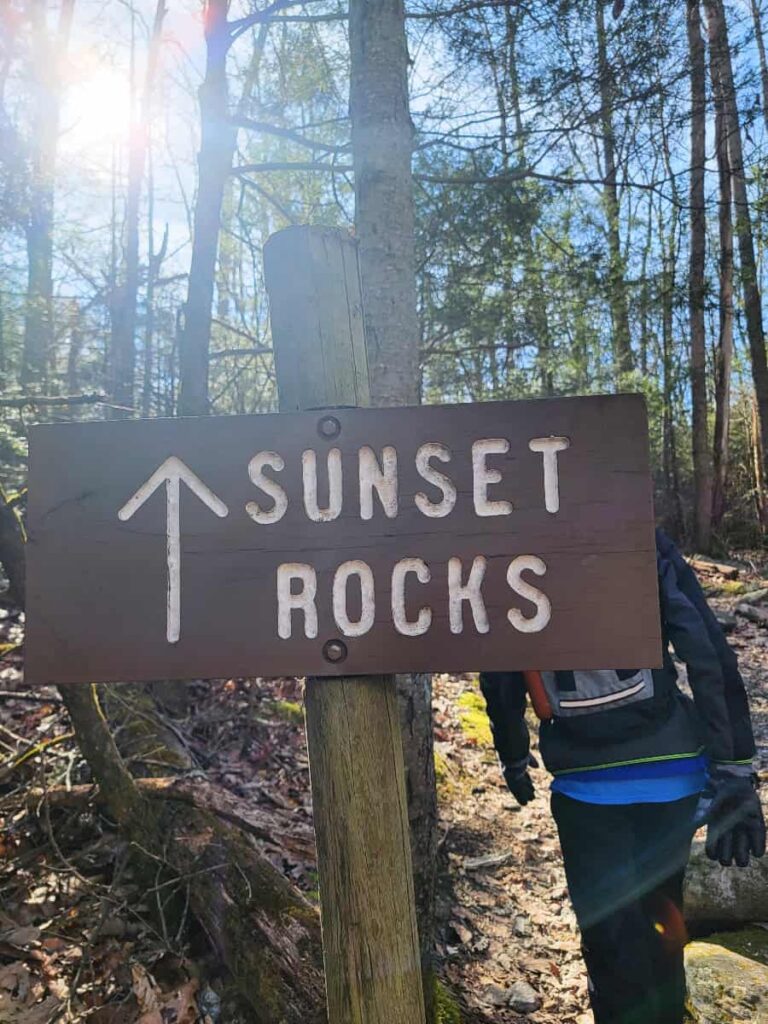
(368, 912)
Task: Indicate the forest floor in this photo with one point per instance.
(82, 939)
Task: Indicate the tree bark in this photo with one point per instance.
(721, 58)
(12, 549)
(757, 462)
(382, 148)
(266, 933)
(702, 479)
(724, 349)
(414, 694)
(217, 147)
(757, 20)
(123, 335)
(537, 312)
(617, 290)
(38, 315)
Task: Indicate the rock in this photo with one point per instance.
(523, 998)
(725, 896)
(522, 927)
(495, 995)
(723, 987)
(456, 930)
(727, 621)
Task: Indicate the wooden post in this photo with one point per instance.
(370, 941)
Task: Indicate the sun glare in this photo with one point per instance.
(96, 113)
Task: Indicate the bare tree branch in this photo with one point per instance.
(286, 133)
(23, 401)
(292, 166)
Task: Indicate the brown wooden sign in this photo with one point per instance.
(491, 536)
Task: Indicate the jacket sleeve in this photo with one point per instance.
(505, 698)
(735, 692)
(685, 628)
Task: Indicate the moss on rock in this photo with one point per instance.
(724, 987)
(749, 942)
(473, 718)
(446, 1008)
(287, 711)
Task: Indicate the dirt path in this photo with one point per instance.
(504, 910)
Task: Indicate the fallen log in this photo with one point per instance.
(748, 611)
(730, 572)
(717, 897)
(266, 933)
(269, 828)
(754, 596)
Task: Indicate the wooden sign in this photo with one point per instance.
(351, 541)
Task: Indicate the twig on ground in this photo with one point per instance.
(33, 698)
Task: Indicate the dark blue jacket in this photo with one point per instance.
(665, 725)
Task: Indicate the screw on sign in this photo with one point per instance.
(367, 541)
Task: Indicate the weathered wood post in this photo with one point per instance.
(370, 941)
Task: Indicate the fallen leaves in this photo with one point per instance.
(22, 997)
(157, 1007)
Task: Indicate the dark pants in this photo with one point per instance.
(625, 867)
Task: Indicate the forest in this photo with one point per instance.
(549, 198)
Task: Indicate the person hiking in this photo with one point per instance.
(637, 767)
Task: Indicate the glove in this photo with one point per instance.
(519, 782)
(730, 807)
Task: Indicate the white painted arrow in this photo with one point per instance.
(171, 473)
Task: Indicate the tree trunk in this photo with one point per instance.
(12, 549)
(758, 463)
(721, 59)
(724, 350)
(265, 932)
(702, 481)
(617, 290)
(123, 339)
(414, 694)
(535, 285)
(757, 20)
(38, 316)
(382, 147)
(217, 147)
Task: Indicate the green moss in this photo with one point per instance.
(724, 588)
(287, 711)
(749, 942)
(473, 718)
(446, 1008)
(733, 587)
(445, 777)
